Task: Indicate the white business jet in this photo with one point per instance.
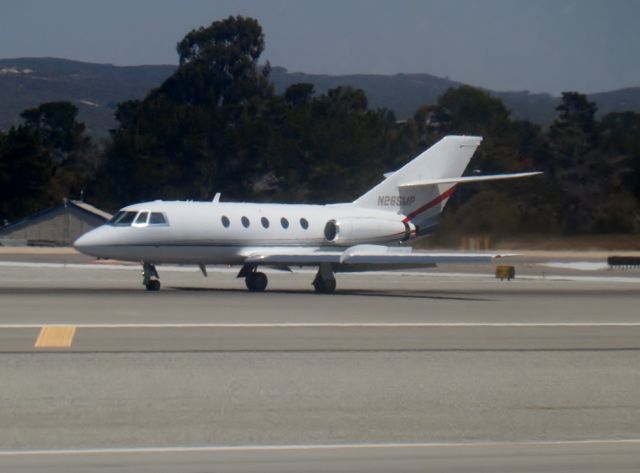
(371, 233)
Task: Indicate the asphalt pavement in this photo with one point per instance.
(89, 360)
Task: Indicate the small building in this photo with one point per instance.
(56, 226)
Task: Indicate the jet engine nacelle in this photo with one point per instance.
(347, 231)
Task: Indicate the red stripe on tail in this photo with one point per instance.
(428, 205)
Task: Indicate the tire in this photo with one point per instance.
(261, 282)
(324, 286)
(250, 282)
(153, 285)
(256, 282)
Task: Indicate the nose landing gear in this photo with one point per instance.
(150, 277)
(255, 280)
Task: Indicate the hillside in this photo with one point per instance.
(96, 89)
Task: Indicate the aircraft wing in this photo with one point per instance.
(293, 258)
(365, 255)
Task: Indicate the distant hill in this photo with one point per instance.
(94, 88)
(402, 93)
(97, 88)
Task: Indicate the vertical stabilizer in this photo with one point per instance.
(422, 204)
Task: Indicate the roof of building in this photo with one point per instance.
(90, 208)
(67, 203)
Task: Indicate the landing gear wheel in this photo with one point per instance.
(325, 281)
(150, 277)
(256, 282)
(324, 286)
(153, 285)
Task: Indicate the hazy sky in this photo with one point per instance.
(536, 45)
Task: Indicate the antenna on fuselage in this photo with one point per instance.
(216, 198)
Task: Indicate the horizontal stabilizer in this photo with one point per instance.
(462, 180)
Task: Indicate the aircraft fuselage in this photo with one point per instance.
(221, 232)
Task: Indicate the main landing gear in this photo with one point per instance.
(325, 281)
(150, 278)
(255, 280)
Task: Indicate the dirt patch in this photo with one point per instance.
(37, 250)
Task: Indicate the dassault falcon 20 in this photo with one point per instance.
(371, 233)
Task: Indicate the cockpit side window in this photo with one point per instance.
(156, 218)
(142, 218)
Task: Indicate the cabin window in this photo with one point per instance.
(265, 222)
(303, 223)
(225, 221)
(142, 218)
(156, 218)
(245, 222)
(284, 222)
(125, 219)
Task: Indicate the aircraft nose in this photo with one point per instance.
(88, 239)
(91, 241)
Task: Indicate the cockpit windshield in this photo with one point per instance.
(116, 217)
(123, 218)
(127, 218)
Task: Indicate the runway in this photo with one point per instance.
(578, 457)
(88, 359)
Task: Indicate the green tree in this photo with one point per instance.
(575, 110)
(72, 152)
(576, 163)
(217, 125)
(26, 168)
(327, 148)
(203, 130)
(218, 64)
(573, 133)
(468, 110)
(620, 133)
(58, 127)
(297, 94)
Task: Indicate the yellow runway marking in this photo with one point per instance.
(55, 337)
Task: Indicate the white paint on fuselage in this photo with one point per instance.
(195, 232)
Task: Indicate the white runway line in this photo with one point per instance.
(330, 325)
(284, 448)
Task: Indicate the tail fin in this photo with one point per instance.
(422, 204)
